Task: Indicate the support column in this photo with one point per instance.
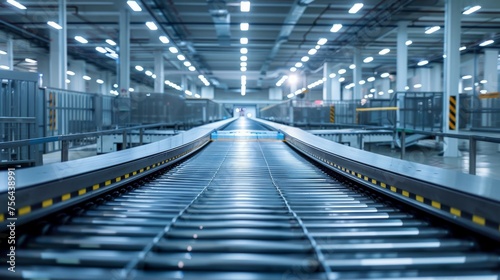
(436, 82)
(275, 93)
(77, 82)
(327, 88)
(59, 50)
(452, 21)
(402, 57)
(490, 70)
(357, 75)
(160, 72)
(10, 53)
(424, 78)
(207, 92)
(124, 53)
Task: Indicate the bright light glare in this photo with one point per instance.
(470, 10)
(322, 41)
(342, 71)
(111, 42)
(336, 27)
(368, 59)
(81, 39)
(245, 6)
(312, 52)
(409, 42)
(244, 26)
(54, 25)
(16, 4)
(134, 6)
(355, 8)
(423, 62)
(173, 50)
(164, 39)
(432, 29)
(151, 25)
(384, 51)
(139, 68)
(485, 43)
(244, 41)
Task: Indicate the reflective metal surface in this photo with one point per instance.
(250, 210)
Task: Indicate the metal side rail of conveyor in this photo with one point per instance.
(249, 210)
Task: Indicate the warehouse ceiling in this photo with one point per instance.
(208, 34)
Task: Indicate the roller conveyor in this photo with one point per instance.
(249, 210)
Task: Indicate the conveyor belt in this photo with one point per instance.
(249, 210)
(243, 123)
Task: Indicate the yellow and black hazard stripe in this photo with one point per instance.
(70, 195)
(452, 115)
(332, 114)
(453, 210)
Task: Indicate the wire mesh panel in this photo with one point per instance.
(20, 116)
(421, 111)
(480, 112)
(148, 108)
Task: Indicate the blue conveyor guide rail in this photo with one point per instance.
(249, 210)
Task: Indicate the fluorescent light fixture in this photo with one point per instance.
(243, 69)
(483, 81)
(371, 95)
(187, 63)
(151, 25)
(68, 81)
(304, 59)
(470, 10)
(3, 52)
(468, 88)
(54, 24)
(112, 55)
(243, 64)
(423, 62)
(197, 95)
(153, 76)
(380, 93)
(371, 79)
(352, 66)
(485, 43)
(16, 4)
(99, 81)
(87, 78)
(384, 75)
(299, 64)
(244, 26)
(293, 69)
(332, 75)
(71, 73)
(109, 50)
(417, 86)
(384, 51)
(362, 82)
(131, 89)
(192, 68)
(342, 71)
(148, 73)
(433, 29)
(181, 57)
(355, 8)
(244, 41)
(466, 77)
(164, 39)
(368, 59)
(407, 87)
(483, 91)
(312, 51)
(101, 49)
(29, 60)
(244, 50)
(336, 27)
(81, 39)
(322, 41)
(245, 6)
(115, 85)
(290, 95)
(188, 92)
(372, 90)
(462, 48)
(173, 50)
(139, 68)
(390, 91)
(243, 58)
(409, 42)
(341, 79)
(110, 42)
(134, 6)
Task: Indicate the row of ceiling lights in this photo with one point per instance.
(244, 26)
